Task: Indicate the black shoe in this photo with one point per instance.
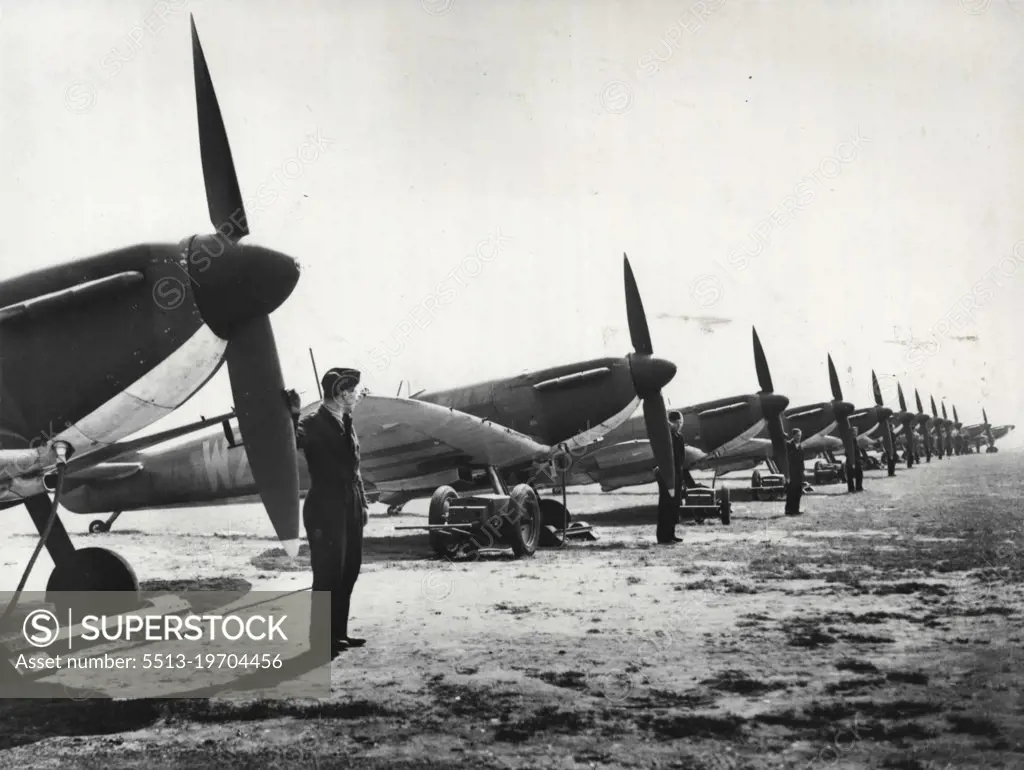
(673, 541)
(337, 649)
(353, 641)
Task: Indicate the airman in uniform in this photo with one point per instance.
(795, 458)
(335, 509)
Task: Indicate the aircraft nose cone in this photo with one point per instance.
(234, 283)
(650, 374)
(843, 408)
(884, 413)
(773, 404)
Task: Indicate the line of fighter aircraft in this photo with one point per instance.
(99, 324)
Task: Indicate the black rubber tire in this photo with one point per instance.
(521, 525)
(96, 526)
(94, 570)
(442, 543)
(725, 506)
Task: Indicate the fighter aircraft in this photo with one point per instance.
(949, 427)
(102, 347)
(939, 430)
(905, 427)
(490, 434)
(815, 421)
(723, 434)
(975, 433)
(924, 424)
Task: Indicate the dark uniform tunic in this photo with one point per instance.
(795, 458)
(334, 511)
(682, 474)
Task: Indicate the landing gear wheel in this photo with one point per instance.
(991, 449)
(94, 569)
(725, 507)
(395, 510)
(97, 526)
(443, 543)
(522, 525)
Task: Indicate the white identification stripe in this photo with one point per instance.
(740, 444)
(156, 394)
(598, 432)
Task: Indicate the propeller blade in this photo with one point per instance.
(266, 425)
(944, 415)
(840, 411)
(984, 416)
(833, 378)
(903, 401)
(778, 437)
(935, 412)
(764, 375)
(223, 197)
(650, 375)
(876, 389)
(920, 409)
(887, 440)
(639, 333)
(660, 436)
(956, 418)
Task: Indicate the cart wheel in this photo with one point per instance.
(522, 523)
(443, 543)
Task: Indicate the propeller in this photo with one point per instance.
(988, 428)
(650, 375)
(949, 431)
(940, 425)
(236, 287)
(884, 413)
(842, 411)
(772, 406)
(906, 418)
(925, 423)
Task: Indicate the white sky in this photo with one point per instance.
(496, 115)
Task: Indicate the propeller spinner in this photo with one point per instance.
(236, 287)
(650, 375)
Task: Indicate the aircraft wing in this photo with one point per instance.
(82, 466)
(407, 432)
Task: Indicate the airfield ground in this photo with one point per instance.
(884, 630)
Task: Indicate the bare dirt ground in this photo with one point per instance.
(882, 629)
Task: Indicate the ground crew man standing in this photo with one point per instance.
(683, 478)
(795, 458)
(858, 466)
(335, 510)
